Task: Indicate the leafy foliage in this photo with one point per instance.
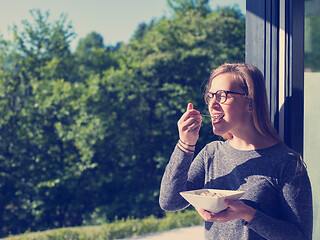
(312, 44)
(123, 228)
(86, 135)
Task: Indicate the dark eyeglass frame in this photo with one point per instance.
(218, 93)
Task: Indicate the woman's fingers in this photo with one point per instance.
(189, 125)
(194, 126)
(190, 111)
(189, 114)
(236, 210)
(190, 119)
(207, 216)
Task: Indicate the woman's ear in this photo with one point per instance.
(249, 102)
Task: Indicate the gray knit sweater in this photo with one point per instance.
(275, 182)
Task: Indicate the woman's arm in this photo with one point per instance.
(176, 179)
(296, 210)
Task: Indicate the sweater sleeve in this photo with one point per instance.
(176, 180)
(296, 209)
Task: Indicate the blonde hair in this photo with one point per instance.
(252, 82)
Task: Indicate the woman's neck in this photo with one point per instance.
(251, 141)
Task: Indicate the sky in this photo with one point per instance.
(114, 20)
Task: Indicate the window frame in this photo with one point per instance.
(275, 44)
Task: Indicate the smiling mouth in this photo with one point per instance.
(217, 117)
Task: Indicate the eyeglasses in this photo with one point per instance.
(221, 96)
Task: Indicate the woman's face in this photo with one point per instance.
(233, 115)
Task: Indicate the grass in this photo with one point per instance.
(118, 229)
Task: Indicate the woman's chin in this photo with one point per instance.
(218, 131)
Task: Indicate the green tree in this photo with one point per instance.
(92, 56)
(88, 134)
(183, 6)
(13, 188)
(141, 30)
(44, 47)
(36, 163)
(159, 73)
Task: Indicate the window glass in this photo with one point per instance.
(312, 104)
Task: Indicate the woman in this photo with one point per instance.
(277, 203)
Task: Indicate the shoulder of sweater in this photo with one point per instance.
(211, 148)
(214, 145)
(285, 153)
(283, 157)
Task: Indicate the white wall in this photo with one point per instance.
(311, 148)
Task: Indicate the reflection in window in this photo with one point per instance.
(312, 36)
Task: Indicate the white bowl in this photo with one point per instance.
(212, 204)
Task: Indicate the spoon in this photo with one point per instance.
(213, 117)
(204, 115)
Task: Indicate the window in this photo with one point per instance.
(312, 104)
(282, 36)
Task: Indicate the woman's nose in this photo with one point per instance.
(213, 103)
